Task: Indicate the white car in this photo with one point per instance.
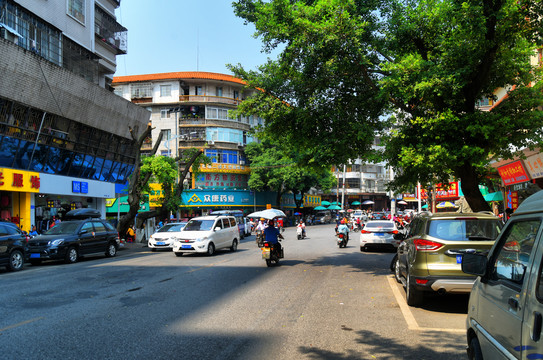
(206, 234)
(379, 234)
(165, 236)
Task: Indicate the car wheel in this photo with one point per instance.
(178, 254)
(413, 296)
(35, 262)
(71, 255)
(111, 250)
(474, 350)
(153, 249)
(210, 249)
(397, 274)
(363, 248)
(16, 261)
(234, 246)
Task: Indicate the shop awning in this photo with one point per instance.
(496, 196)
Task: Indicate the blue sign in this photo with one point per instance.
(84, 187)
(76, 186)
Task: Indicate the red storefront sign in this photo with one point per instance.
(443, 193)
(513, 173)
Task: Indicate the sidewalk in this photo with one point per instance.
(133, 246)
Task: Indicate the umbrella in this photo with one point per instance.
(356, 203)
(445, 204)
(297, 214)
(334, 207)
(268, 214)
(325, 203)
(368, 202)
(320, 208)
(401, 202)
(335, 203)
(424, 207)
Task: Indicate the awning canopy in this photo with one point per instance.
(496, 196)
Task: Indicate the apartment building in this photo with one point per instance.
(64, 135)
(195, 109)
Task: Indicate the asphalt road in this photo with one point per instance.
(321, 302)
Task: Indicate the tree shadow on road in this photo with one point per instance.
(379, 347)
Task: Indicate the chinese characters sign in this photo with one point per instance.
(513, 173)
(18, 180)
(442, 192)
(222, 181)
(534, 165)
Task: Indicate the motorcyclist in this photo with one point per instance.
(272, 236)
(260, 230)
(343, 229)
(301, 225)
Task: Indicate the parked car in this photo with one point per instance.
(323, 217)
(165, 236)
(429, 259)
(206, 234)
(70, 240)
(13, 242)
(505, 311)
(379, 234)
(379, 215)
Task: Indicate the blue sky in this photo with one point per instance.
(162, 37)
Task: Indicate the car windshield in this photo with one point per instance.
(63, 228)
(199, 225)
(464, 229)
(382, 225)
(172, 227)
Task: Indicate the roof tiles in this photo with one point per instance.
(178, 75)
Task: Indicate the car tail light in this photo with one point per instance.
(393, 232)
(426, 245)
(421, 281)
(267, 245)
(365, 232)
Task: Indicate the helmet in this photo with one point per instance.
(343, 221)
(262, 219)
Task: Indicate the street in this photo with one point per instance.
(321, 302)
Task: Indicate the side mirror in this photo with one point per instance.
(217, 229)
(474, 264)
(83, 232)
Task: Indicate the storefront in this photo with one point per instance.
(515, 178)
(17, 188)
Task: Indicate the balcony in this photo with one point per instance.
(110, 32)
(209, 99)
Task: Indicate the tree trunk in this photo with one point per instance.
(470, 188)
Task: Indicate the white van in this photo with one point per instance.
(323, 217)
(505, 312)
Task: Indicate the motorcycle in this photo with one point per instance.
(341, 240)
(300, 233)
(271, 253)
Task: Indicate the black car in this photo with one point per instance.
(70, 240)
(13, 242)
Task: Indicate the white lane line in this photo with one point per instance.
(408, 315)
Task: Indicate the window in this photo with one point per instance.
(141, 90)
(164, 114)
(166, 134)
(199, 90)
(165, 90)
(236, 94)
(76, 8)
(513, 256)
(219, 91)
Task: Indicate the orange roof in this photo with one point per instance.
(178, 75)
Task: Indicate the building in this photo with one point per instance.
(64, 135)
(196, 110)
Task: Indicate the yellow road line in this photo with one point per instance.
(21, 324)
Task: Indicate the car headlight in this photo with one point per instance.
(56, 242)
(201, 239)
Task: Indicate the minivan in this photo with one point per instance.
(323, 217)
(505, 311)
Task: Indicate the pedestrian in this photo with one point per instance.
(33, 231)
(130, 235)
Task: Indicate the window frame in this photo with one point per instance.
(72, 11)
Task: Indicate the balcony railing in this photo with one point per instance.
(209, 99)
(110, 32)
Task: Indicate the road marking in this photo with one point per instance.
(21, 324)
(408, 315)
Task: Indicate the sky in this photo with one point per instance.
(185, 35)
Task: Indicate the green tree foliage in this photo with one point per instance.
(274, 169)
(346, 64)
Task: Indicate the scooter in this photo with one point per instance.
(341, 240)
(271, 253)
(300, 233)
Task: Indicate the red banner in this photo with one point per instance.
(442, 192)
(513, 173)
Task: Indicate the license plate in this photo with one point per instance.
(459, 259)
(160, 243)
(266, 253)
(33, 256)
(185, 246)
(380, 234)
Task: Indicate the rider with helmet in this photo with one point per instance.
(343, 229)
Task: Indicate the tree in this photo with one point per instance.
(346, 64)
(273, 168)
(163, 170)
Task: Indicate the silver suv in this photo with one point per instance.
(205, 234)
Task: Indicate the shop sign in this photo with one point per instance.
(512, 199)
(156, 195)
(513, 173)
(80, 187)
(221, 180)
(409, 197)
(441, 192)
(18, 180)
(215, 198)
(225, 168)
(534, 165)
(312, 200)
